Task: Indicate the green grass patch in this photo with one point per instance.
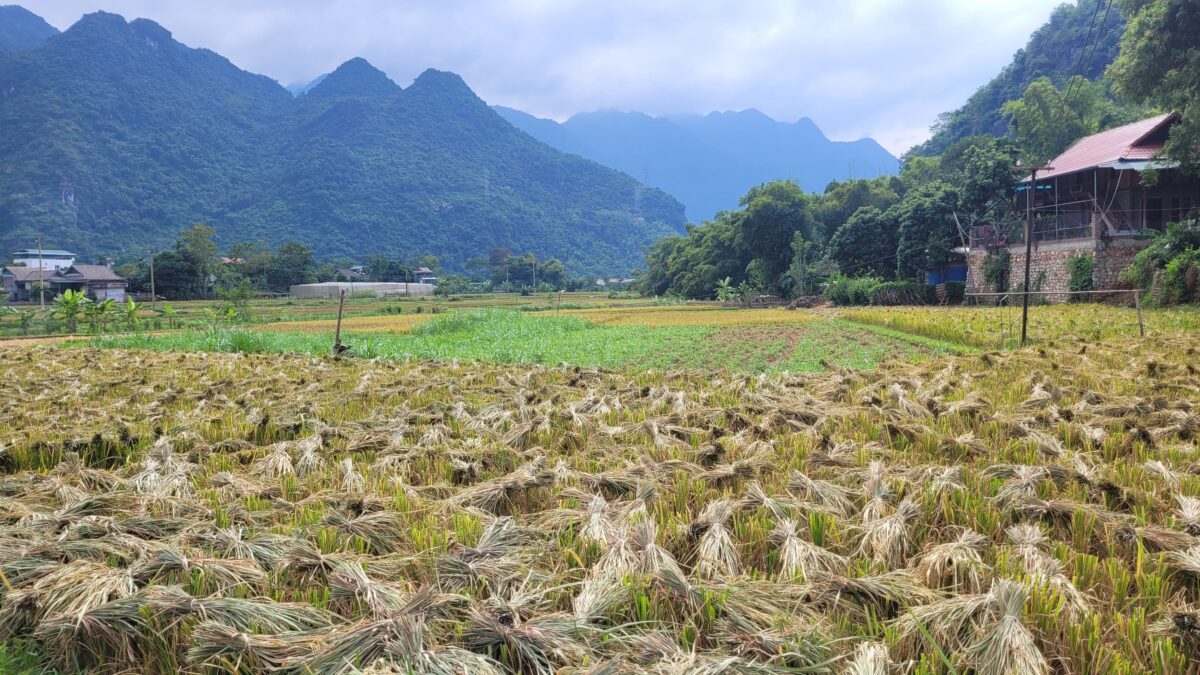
(508, 336)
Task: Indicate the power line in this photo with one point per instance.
(1079, 61)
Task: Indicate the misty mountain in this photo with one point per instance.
(117, 137)
(709, 161)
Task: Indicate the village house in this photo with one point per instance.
(58, 271)
(424, 275)
(1094, 201)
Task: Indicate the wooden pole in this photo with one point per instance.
(1137, 302)
(337, 334)
(152, 290)
(41, 276)
(1030, 193)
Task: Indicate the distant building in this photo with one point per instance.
(351, 273)
(51, 259)
(424, 275)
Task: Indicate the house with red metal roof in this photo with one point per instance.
(1096, 199)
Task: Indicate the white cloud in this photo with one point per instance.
(880, 68)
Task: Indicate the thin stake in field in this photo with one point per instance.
(338, 347)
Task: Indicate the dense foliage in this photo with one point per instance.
(117, 138)
(1054, 52)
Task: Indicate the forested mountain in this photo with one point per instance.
(21, 29)
(117, 137)
(709, 161)
(1053, 51)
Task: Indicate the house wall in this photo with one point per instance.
(47, 262)
(102, 294)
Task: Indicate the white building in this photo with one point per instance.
(48, 259)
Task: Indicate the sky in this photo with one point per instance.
(859, 68)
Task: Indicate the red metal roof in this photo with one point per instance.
(1121, 143)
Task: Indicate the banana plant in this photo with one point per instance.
(130, 310)
(69, 306)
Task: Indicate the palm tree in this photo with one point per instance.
(68, 306)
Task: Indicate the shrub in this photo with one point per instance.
(956, 292)
(851, 291)
(903, 293)
(995, 270)
(1164, 267)
(1083, 271)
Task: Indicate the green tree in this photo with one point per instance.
(292, 264)
(928, 231)
(1159, 65)
(772, 214)
(866, 244)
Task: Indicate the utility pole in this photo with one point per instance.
(41, 275)
(152, 294)
(1029, 195)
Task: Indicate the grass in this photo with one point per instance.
(170, 511)
(506, 336)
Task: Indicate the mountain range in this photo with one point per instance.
(709, 161)
(117, 137)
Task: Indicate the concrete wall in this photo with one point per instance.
(1050, 261)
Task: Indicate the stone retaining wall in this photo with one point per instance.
(1050, 265)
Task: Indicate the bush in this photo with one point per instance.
(956, 292)
(903, 293)
(1169, 266)
(995, 271)
(1083, 271)
(851, 291)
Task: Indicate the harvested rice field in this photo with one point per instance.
(1033, 511)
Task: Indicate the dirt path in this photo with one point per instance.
(21, 342)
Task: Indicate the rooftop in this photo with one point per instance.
(46, 253)
(1132, 142)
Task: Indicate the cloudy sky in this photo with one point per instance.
(879, 68)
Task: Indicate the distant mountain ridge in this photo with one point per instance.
(21, 29)
(156, 136)
(709, 161)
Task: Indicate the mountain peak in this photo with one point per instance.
(356, 77)
(442, 81)
(21, 29)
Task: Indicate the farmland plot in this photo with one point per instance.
(285, 513)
